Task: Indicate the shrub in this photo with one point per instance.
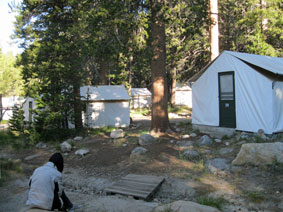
(210, 201)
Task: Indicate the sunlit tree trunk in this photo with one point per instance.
(159, 117)
(214, 30)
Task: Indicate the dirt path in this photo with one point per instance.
(257, 189)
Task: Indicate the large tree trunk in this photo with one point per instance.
(103, 71)
(214, 31)
(159, 117)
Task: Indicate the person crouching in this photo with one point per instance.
(45, 186)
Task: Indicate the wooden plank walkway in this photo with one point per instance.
(139, 186)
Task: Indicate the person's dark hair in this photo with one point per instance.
(58, 161)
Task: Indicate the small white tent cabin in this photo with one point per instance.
(140, 98)
(106, 105)
(240, 91)
(28, 105)
(8, 103)
(183, 95)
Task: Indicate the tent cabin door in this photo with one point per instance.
(227, 110)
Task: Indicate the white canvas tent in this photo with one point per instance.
(140, 98)
(106, 106)
(28, 105)
(183, 95)
(8, 103)
(240, 91)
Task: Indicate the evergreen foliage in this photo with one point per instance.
(16, 123)
(71, 43)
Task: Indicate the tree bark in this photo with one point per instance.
(214, 30)
(159, 113)
(103, 72)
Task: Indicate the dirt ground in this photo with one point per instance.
(245, 188)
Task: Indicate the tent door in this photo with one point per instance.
(227, 110)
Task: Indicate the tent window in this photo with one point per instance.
(227, 87)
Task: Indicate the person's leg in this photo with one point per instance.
(66, 202)
(56, 200)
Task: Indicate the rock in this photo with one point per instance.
(31, 157)
(177, 129)
(193, 135)
(82, 152)
(117, 133)
(225, 151)
(205, 140)
(217, 140)
(185, 136)
(176, 189)
(41, 145)
(146, 139)
(65, 147)
(138, 151)
(185, 143)
(259, 154)
(217, 165)
(78, 138)
(191, 154)
(185, 206)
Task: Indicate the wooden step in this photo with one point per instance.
(139, 186)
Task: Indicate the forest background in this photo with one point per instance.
(144, 43)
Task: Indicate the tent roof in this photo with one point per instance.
(270, 64)
(104, 92)
(140, 92)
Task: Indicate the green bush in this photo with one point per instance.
(210, 201)
(17, 123)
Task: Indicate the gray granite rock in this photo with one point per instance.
(138, 151)
(119, 133)
(191, 154)
(205, 140)
(82, 152)
(146, 139)
(65, 147)
(217, 165)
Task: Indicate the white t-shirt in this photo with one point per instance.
(43, 179)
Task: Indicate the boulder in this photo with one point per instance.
(205, 140)
(78, 138)
(259, 154)
(191, 154)
(82, 152)
(65, 147)
(185, 206)
(138, 151)
(117, 133)
(218, 165)
(41, 145)
(146, 139)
